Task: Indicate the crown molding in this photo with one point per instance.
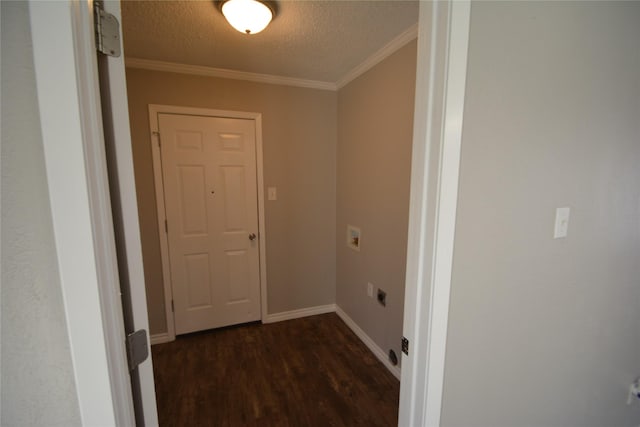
(384, 52)
(172, 67)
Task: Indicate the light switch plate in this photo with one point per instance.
(562, 223)
(272, 193)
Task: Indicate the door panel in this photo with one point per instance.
(196, 273)
(191, 185)
(209, 173)
(239, 280)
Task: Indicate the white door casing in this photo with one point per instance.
(118, 144)
(209, 176)
(440, 90)
(73, 138)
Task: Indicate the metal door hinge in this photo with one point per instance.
(107, 31)
(137, 348)
(172, 307)
(405, 346)
(166, 226)
(154, 133)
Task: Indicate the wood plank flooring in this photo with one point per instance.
(305, 372)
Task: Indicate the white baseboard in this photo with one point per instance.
(303, 312)
(160, 338)
(366, 339)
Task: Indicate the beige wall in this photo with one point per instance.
(375, 129)
(546, 332)
(299, 139)
(37, 380)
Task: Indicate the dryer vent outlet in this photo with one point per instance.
(382, 297)
(393, 358)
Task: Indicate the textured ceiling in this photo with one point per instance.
(316, 40)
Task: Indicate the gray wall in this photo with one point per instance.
(375, 130)
(299, 140)
(36, 373)
(546, 332)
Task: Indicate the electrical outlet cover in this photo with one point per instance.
(272, 193)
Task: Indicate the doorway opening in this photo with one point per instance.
(330, 163)
(442, 70)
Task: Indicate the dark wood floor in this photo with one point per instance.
(306, 372)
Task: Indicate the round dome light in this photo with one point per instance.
(247, 16)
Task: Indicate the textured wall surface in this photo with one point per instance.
(299, 143)
(36, 374)
(375, 132)
(546, 332)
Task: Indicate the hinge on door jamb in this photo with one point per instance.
(107, 29)
(154, 133)
(172, 308)
(137, 348)
(166, 226)
(405, 346)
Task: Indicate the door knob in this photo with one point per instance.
(252, 236)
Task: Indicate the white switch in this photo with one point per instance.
(562, 223)
(272, 193)
(370, 290)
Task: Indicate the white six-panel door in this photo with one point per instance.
(209, 175)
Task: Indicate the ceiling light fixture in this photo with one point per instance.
(248, 16)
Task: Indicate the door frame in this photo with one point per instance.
(154, 110)
(443, 40)
(61, 100)
(65, 63)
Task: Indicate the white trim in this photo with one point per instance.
(366, 339)
(117, 136)
(440, 90)
(296, 314)
(199, 70)
(101, 209)
(384, 52)
(262, 226)
(447, 206)
(164, 245)
(154, 110)
(71, 125)
(161, 338)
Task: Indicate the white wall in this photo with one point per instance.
(36, 373)
(546, 332)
